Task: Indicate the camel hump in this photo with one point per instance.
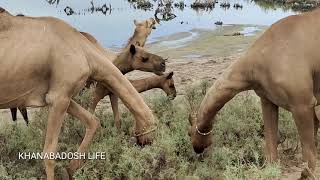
(89, 37)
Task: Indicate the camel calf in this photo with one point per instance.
(54, 66)
(283, 68)
(164, 82)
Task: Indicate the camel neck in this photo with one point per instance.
(122, 62)
(136, 39)
(147, 83)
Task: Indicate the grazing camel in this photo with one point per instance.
(54, 66)
(141, 32)
(164, 82)
(283, 68)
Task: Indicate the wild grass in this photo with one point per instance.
(237, 151)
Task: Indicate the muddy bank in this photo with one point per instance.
(225, 40)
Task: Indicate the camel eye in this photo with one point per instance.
(145, 59)
(171, 86)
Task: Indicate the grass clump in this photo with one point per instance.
(237, 151)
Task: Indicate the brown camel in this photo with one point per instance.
(141, 33)
(283, 68)
(164, 82)
(54, 66)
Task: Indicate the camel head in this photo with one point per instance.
(167, 85)
(145, 61)
(142, 30)
(200, 140)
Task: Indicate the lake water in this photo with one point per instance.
(114, 27)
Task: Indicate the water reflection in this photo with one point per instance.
(111, 21)
(53, 1)
(165, 9)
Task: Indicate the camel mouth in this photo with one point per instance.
(172, 97)
(198, 150)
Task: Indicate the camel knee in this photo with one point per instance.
(93, 125)
(49, 163)
(53, 99)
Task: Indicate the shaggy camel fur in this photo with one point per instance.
(283, 68)
(54, 66)
(141, 32)
(164, 82)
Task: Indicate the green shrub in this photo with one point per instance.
(237, 151)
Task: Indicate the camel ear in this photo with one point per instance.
(191, 119)
(153, 21)
(170, 75)
(133, 49)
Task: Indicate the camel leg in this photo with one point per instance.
(98, 94)
(91, 123)
(270, 119)
(316, 127)
(304, 119)
(24, 113)
(57, 109)
(115, 109)
(14, 113)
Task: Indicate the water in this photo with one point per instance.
(114, 28)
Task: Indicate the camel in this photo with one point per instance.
(54, 66)
(141, 33)
(164, 82)
(283, 68)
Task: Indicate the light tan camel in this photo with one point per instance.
(141, 32)
(45, 62)
(283, 68)
(164, 82)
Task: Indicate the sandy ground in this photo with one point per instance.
(195, 56)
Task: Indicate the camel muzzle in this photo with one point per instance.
(198, 150)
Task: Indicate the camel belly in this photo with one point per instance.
(14, 95)
(24, 75)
